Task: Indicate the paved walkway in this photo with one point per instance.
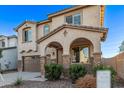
(10, 78)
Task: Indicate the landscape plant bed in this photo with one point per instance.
(63, 83)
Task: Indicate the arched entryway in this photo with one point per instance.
(53, 53)
(81, 50)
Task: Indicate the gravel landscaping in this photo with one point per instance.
(63, 83)
(43, 84)
(119, 83)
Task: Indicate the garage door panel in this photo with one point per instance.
(32, 64)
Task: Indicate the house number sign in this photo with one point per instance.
(103, 79)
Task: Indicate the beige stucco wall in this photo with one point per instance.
(40, 29)
(66, 41)
(89, 16)
(26, 46)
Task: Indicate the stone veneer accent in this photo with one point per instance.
(97, 58)
(66, 61)
(42, 63)
(66, 64)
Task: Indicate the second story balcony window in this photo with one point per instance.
(28, 35)
(46, 29)
(73, 19)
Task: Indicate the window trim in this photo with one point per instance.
(78, 14)
(73, 15)
(24, 35)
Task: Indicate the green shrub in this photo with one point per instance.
(53, 71)
(18, 82)
(103, 67)
(76, 71)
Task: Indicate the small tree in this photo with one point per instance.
(121, 48)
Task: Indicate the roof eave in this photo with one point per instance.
(66, 10)
(88, 28)
(16, 29)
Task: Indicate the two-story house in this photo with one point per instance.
(8, 45)
(69, 36)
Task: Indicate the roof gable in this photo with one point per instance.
(87, 28)
(29, 22)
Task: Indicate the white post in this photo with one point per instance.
(1, 77)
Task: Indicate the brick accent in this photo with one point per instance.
(42, 63)
(97, 58)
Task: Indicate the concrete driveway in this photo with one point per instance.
(10, 78)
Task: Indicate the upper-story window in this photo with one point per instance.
(74, 19)
(28, 35)
(3, 44)
(46, 29)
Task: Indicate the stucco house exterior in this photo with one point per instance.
(73, 35)
(8, 45)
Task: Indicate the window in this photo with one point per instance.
(3, 44)
(28, 35)
(69, 19)
(46, 29)
(74, 19)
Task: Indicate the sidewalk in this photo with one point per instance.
(10, 78)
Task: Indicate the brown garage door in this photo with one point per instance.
(32, 64)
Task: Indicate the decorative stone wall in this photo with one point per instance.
(97, 58)
(66, 64)
(66, 61)
(42, 63)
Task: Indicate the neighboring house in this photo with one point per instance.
(121, 48)
(8, 45)
(69, 36)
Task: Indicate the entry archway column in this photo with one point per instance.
(97, 52)
(42, 63)
(97, 58)
(66, 56)
(66, 60)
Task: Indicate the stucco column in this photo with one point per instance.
(66, 64)
(97, 58)
(42, 63)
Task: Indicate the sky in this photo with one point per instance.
(12, 16)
